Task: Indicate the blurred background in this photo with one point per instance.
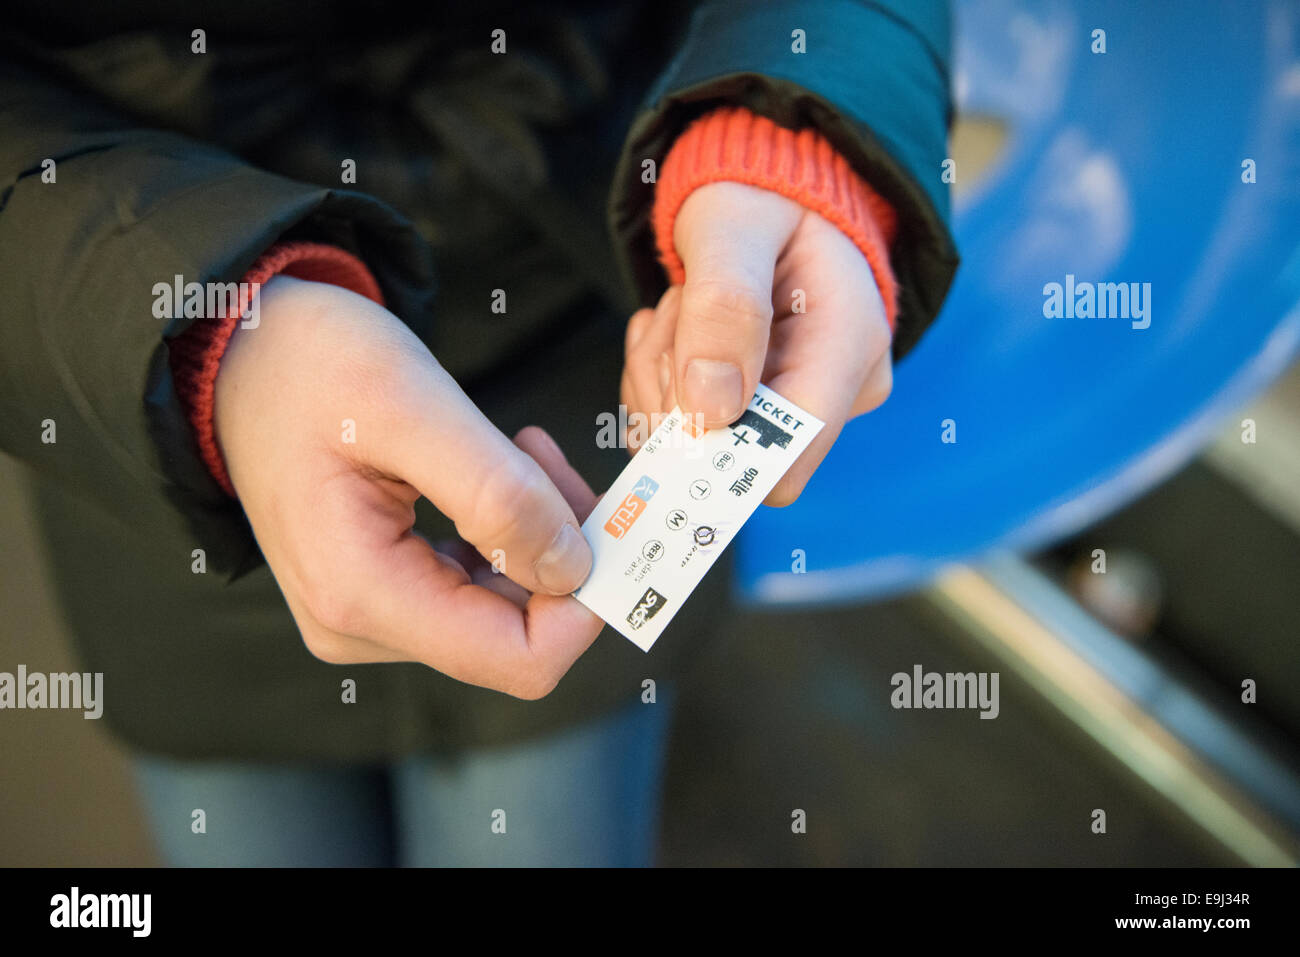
(1174, 450)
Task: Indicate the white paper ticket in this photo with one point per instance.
(678, 504)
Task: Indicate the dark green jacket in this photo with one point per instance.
(475, 171)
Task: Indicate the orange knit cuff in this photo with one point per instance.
(196, 353)
(733, 143)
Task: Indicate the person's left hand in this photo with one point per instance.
(774, 293)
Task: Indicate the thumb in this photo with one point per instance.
(501, 500)
(728, 236)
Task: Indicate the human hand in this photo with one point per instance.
(775, 293)
(334, 517)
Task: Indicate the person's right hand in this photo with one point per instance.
(334, 419)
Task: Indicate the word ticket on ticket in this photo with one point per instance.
(678, 504)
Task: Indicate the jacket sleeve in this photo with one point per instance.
(95, 211)
(872, 79)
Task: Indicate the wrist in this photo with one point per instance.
(733, 144)
(196, 356)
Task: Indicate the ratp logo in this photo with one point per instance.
(630, 509)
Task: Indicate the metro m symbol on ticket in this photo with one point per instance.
(632, 506)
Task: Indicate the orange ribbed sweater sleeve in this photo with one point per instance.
(733, 143)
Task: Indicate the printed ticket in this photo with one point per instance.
(678, 504)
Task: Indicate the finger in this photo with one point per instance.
(502, 501)
(667, 391)
(546, 452)
(643, 368)
(461, 553)
(833, 359)
(642, 359)
(628, 395)
(792, 484)
(877, 388)
(821, 376)
(636, 327)
(431, 613)
(629, 401)
(489, 578)
(377, 596)
(729, 236)
(334, 647)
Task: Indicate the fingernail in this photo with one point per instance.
(565, 564)
(665, 373)
(712, 388)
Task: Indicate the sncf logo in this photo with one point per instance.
(631, 507)
(646, 608)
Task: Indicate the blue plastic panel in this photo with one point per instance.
(1123, 166)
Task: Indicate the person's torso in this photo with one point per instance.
(492, 127)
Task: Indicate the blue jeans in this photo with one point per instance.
(587, 796)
